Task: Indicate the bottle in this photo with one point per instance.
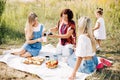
(44, 37)
(49, 33)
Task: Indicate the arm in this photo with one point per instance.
(29, 37)
(69, 32)
(67, 35)
(54, 29)
(97, 26)
(77, 64)
(80, 51)
(34, 41)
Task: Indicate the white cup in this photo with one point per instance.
(44, 38)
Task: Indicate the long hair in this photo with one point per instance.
(29, 24)
(84, 24)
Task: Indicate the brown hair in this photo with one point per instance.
(68, 12)
(100, 11)
(31, 18)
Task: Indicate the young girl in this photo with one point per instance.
(33, 35)
(99, 29)
(84, 59)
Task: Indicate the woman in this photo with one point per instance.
(33, 35)
(66, 33)
(84, 59)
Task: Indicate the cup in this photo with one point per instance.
(47, 58)
(55, 57)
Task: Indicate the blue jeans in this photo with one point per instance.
(86, 66)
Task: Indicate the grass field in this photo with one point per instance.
(14, 18)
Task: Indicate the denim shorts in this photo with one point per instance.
(86, 66)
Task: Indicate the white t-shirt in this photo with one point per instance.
(84, 47)
(101, 32)
(36, 29)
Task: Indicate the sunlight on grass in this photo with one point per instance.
(48, 11)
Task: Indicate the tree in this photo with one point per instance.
(2, 8)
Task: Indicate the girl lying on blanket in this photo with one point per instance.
(33, 35)
(84, 59)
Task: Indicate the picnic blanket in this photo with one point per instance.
(62, 72)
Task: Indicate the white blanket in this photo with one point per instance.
(62, 72)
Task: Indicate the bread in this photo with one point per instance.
(34, 60)
(52, 64)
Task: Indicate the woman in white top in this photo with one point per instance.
(84, 59)
(99, 29)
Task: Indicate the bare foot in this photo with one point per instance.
(26, 55)
(19, 52)
(15, 53)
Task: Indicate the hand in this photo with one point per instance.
(39, 40)
(74, 49)
(72, 77)
(52, 35)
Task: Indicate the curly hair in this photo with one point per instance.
(100, 11)
(68, 12)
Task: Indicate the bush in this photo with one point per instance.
(2, 7)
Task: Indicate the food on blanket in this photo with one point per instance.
(34, 60)
(52, 63)
(28, 61)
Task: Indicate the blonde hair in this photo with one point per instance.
(84, 24)
(29, 24)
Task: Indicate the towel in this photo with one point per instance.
(62, 72)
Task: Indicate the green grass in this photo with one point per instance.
(15, 14)
(48, 11)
